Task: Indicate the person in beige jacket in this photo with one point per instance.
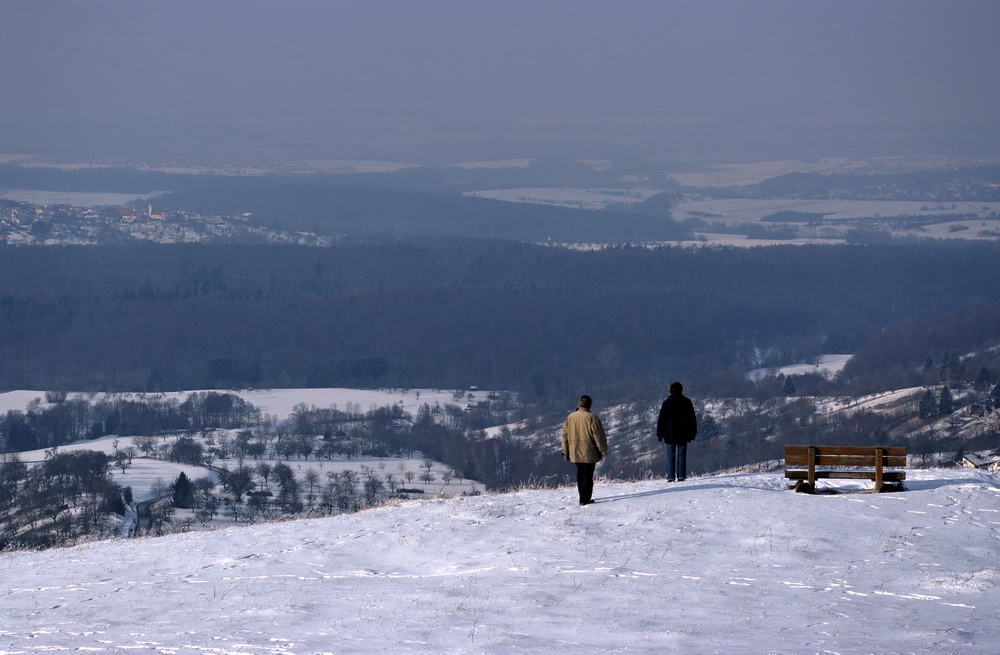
(585, 444)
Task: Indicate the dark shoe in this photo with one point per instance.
(681, 479)
(586, 502)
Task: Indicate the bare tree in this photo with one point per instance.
(122, 460)
(158, 488)
(992, 421)
(146, 444)
(264, 471)
(347, 499)
(311, 478)
(162, 513)
(209, 506)
(373, 486)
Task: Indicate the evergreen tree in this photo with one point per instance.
(983, 379)
(946, 405)
(926, 406)
(788, 387)
(183, 491)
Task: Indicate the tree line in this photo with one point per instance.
(67, 497)
(64, 421)
(543, 322)
(963, 184)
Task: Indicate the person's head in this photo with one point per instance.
(676, 387)
(586, 402)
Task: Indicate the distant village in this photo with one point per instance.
(23, 223)
(14, 214)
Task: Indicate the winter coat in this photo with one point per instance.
(583, 438)
(677, 423)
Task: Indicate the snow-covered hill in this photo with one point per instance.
(729, 564)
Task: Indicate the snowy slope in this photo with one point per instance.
(729, 564)
(826, 365)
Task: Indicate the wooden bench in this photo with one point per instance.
(845, 462)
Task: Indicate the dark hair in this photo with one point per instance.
(586, 402)
(676, 387)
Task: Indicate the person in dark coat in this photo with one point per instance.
(676, 427)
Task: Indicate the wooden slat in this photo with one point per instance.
(887, 476)
(846, 450)
(823, 459)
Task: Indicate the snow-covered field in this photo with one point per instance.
(741, 241)
(495, 163)
(280, 402)
(565, 197)
(144, 474)
(757, 171)
(749, 210)
(75, 198)
(709, 239)
(828, 365)
(881, 401)
(348, 166)
(729, 564)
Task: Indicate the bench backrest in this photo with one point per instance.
(892, 456)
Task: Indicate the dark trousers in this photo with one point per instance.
(585, 480)
(677, 461)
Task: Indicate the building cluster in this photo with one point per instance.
(24, 223)
(989, 461)
(22, 214)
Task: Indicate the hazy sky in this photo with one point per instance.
(393, 78)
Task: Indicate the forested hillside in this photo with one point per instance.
(453, 313)
(951, 346)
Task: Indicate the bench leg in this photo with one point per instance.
(812, 467)
(803, 487)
